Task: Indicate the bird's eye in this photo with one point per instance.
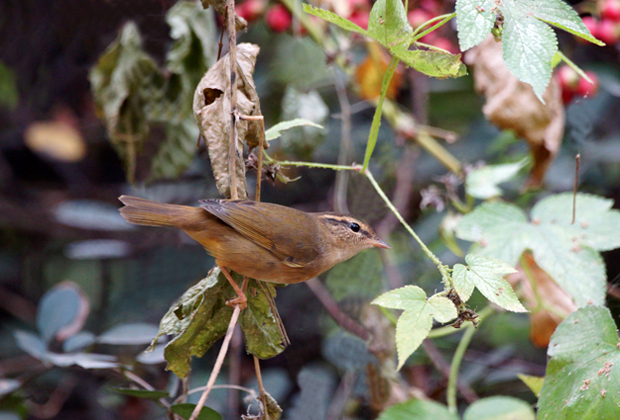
(354, 227)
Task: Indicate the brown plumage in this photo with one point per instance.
(263, 241)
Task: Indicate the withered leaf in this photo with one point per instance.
(513, 105)
(212, 110)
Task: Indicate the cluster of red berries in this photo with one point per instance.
(607, 29)
(572, 84)
(279, 19)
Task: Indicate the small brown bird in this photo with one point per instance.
(262, 241)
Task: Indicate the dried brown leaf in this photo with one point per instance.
(544, 295)
(212, 110)
(512, 105)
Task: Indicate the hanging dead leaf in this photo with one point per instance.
(212, 110)
(549, 303)
(369, 74)
(512, 105)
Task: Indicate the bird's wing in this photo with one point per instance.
(261, 223)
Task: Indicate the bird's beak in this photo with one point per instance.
(379, 243)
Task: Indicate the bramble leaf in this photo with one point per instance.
(416, 321)
(583, 373)
(487, 275)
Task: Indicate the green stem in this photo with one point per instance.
(458, 358)
(318, 165)
(417, 35)
(376, 119)
(443, 269)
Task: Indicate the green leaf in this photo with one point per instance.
(482, 183)
(193, 30)
(124, 81)
(275, 131)
(200, 318)
(499, 408)
(583, 374)
(474, 20)
(9, 95)
(487, 274)
(596, 223)
(560, 14)
(528, 46)
(431, 63)
(263, 337)
(534, 383)
(416, 321)
(186, 410)
(141, 393)
(565, 252)
(62, 312)
(388, 23)
(418, 410)
(333, 18)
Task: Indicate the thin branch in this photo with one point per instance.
(232, 139)
(334, 310)
(218, 362)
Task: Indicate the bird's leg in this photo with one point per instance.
(241, 299)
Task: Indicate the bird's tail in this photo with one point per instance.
(140, 211)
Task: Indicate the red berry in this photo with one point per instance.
(593, 26)
(359, 5)
(418, 16)
(609, 32)
(610, 9)
(587, 89)
(278, 18)
(360, 18)
(569, 79)
(432, 6)
(250, 9)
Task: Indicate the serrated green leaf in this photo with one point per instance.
(486, 274)
(596, 223)
(502, 231)
(560, 14)
(416, 321)
(499, 408)
(141, 393)
(482, 183)
(418, 410)
(275, 131)
(474, 20)
(388, 23)
(528, 46)
(432, 63)
(333, 18)
(583, 373)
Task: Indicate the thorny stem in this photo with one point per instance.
(443, 269)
